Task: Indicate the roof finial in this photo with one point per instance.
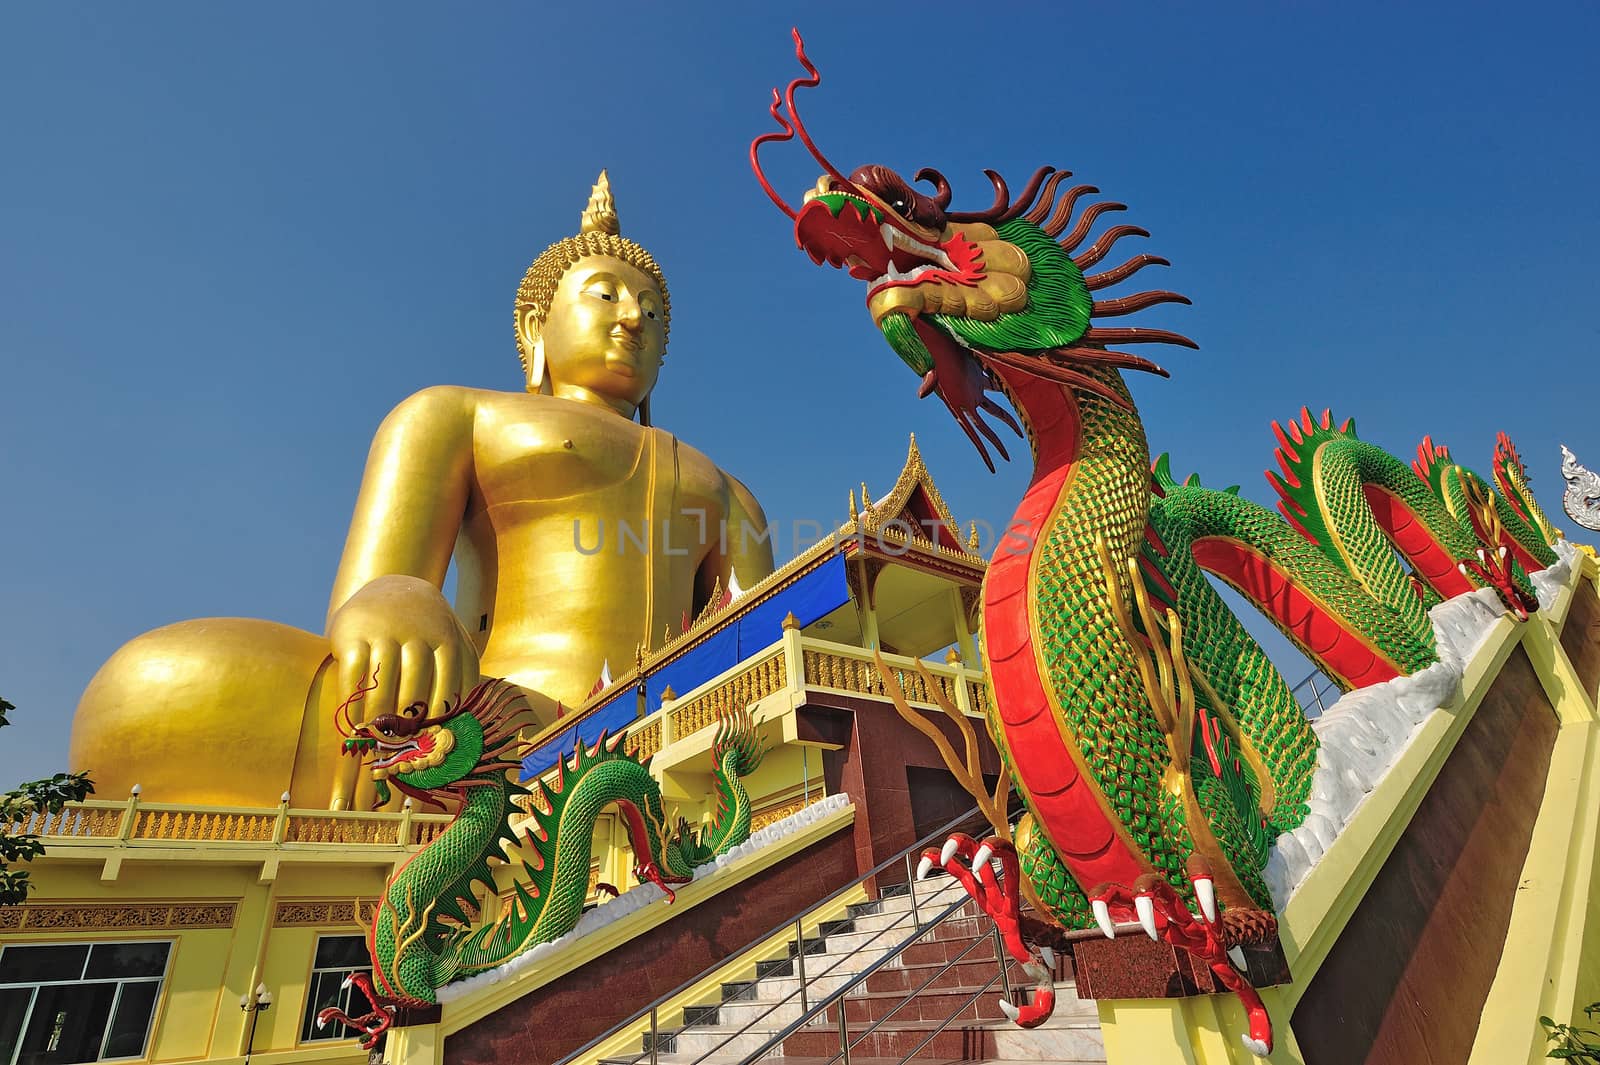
(854, 514)
(601, 214)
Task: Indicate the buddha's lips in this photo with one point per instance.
(885, 252)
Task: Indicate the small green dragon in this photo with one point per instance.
(424, 932)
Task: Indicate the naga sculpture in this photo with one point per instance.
(1582, 498)
(424, 932)
(1154, 784)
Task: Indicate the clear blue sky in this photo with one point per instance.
(231, 240)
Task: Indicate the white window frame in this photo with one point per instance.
(346, 998)
(116, 999)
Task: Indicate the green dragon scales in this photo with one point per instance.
(424, 932)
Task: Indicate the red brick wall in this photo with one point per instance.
(566, 1013)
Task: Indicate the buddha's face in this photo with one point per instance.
(604, 335)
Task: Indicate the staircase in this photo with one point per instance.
(889, 1014)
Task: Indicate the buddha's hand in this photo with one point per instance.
(402, 630)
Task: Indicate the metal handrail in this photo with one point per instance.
(943, 831)
(875, 1025)
(1318, 684)
(838, 996)
(942, 1024)
(801, 990)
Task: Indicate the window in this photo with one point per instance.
(337, 957)
(62, 1003)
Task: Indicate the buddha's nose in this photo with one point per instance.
(628, 312)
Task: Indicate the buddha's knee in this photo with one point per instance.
(207, 711)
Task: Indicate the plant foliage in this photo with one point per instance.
(16, 807)
(1581, 1045)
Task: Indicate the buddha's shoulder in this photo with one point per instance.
(462, 401)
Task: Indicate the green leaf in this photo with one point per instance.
(57, 791)
(19, 848)
(14, 887)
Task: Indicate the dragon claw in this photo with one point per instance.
(1205, 893)
(972, 864)
(370, 1025)
(1102, 916)
(924, 867)
(1145, 907)
(949, 851)
(1199, 935)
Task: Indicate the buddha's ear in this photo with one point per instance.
(532, 338)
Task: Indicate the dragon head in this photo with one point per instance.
(446, 752)
(959, 295)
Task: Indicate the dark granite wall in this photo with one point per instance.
(566, 1013)
(1580, 637)
(1407, 980)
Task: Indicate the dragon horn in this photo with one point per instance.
(811, 80)
(789, 125)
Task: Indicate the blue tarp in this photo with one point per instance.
(813, 596)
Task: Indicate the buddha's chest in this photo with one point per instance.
(549, 453)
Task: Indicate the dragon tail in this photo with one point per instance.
(736, 751)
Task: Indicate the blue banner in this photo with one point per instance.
(813, 596)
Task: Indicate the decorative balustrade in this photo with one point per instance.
(139, 823)
(646, 740)
(852, 670)
(756, 681)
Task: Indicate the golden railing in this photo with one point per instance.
(133, 822)
(646, 740)
(793, 663)
(853, 670)
(755, 681)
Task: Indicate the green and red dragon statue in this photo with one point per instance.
(425, 932)
(1153, 790)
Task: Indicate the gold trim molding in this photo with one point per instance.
(101, 917)
(306, 912)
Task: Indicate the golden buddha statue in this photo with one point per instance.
(579, 534)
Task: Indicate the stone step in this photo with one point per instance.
(839, 950)
(959, 1042)
(855, 1059)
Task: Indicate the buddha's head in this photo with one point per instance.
(592, 314)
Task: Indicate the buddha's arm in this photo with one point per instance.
(388, 622)
(413, 493)
(749, 553)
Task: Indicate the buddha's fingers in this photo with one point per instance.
(354, 674)
(387, 665)
(449, 681)
(416, 675)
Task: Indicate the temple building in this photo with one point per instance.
(190, 932)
